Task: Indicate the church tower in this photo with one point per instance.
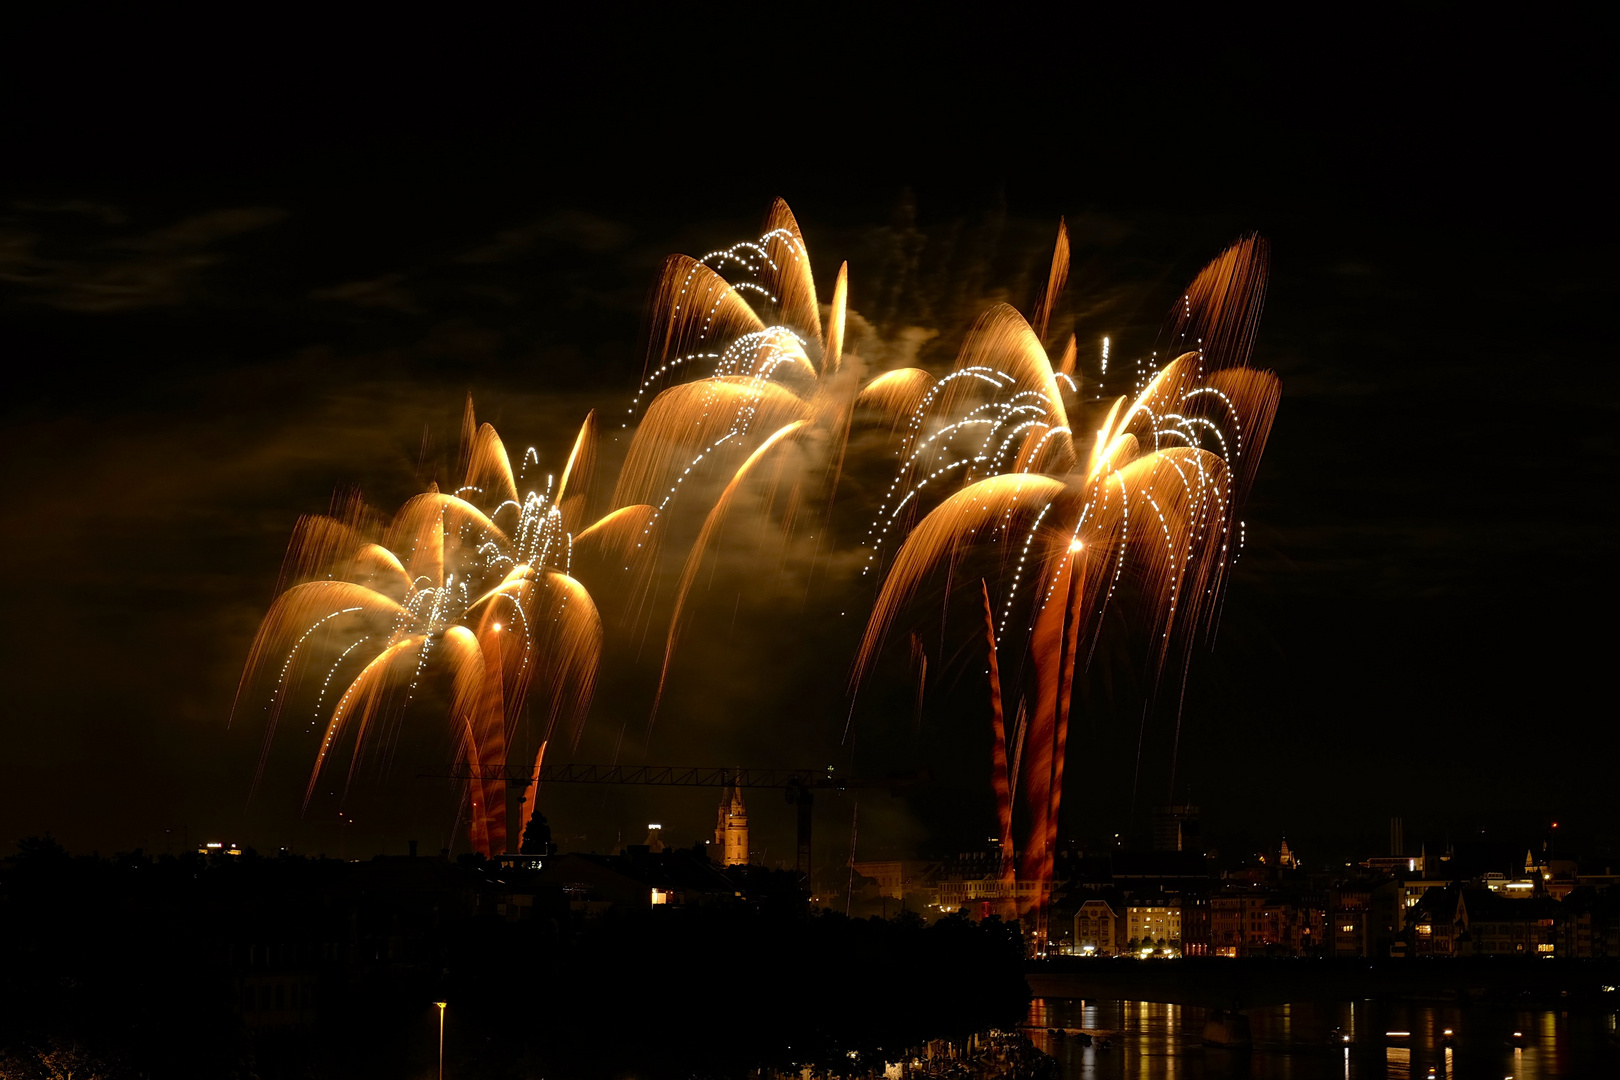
(731, 829)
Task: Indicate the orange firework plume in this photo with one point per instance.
(474, 587)
(730, 373)
(1149, 497)
(740, 357)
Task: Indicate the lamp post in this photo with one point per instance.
(441, 1004)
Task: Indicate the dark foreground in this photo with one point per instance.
(269, 968)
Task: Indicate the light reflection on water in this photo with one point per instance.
(1318, 1040)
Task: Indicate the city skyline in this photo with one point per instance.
(672, 542)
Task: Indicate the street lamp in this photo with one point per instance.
(441, 1005)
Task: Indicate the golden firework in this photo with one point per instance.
(473, 587)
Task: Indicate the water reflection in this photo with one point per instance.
(1101, 1040)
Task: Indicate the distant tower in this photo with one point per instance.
(731, 829)
(1175, 828)
(537, 837)
(1397, 838)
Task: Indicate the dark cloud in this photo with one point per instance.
(385, 292)
(107, 269)
(575, 228)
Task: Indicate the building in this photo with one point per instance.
(1491, 924)
(1591, 925)
(731, 829)
(1195, 924)
(1096, 929)
(1156, 924)
(1365, 918)
(901, 879)
(1394, 864)
(981, 883)
(1288, 924)
(1432, 922)
(1255, 923)
(1227, 923)
(987, 896)
(1516, 888)
(1413, 890)
(1159, 871)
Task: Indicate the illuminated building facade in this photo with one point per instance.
(1153, 926)
(1096, 929)
(983, 895)
(731, 829)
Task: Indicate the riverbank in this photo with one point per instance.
(1247, 983)
(989, 1055)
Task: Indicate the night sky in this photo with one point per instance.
(242, 268)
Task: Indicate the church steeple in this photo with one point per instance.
(731, 829)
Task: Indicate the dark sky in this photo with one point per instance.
(242, 267)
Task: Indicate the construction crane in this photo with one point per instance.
(798, 785)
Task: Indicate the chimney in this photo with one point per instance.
(413, 849)
(1397, 838)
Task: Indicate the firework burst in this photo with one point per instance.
(470, 592)
(1150, 498)
(1071, 502)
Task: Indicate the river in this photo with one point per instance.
(1316, 1041)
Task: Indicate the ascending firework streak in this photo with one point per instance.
(1151, 503)
(473, 587)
